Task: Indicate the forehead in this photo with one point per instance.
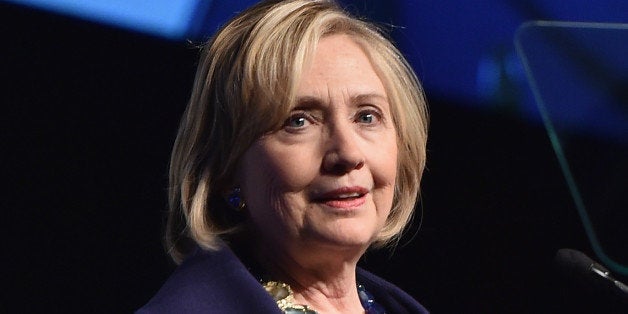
(340, 65)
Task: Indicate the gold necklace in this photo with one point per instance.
(283, 295)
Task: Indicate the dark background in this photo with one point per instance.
(89, 114)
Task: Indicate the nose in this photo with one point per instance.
(343, 152)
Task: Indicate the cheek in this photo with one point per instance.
(273, 180)
(260, 187)
(384, 161)
(271, 176)
(292, 167)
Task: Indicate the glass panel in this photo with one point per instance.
(579, 76)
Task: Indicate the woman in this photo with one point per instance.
(303, 145)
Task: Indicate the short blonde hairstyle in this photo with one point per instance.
(245, 87)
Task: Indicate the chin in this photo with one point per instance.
(346, 237)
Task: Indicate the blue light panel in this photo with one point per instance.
(166, 18)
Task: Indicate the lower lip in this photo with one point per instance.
(346, 203)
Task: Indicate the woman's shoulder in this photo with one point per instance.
(211, 282)
(391, 297)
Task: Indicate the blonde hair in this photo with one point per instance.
(245, 87)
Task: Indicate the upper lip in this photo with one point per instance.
(343, 192)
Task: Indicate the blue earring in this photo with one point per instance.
(234, 199)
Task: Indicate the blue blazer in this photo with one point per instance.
(217, 282)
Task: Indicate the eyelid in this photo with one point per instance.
(372, 109)
(302, 113)
(298, 113)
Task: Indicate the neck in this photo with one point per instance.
(322, 279)
(337, 296)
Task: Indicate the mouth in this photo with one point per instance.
(344, 198)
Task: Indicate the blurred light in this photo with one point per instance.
(166, 18)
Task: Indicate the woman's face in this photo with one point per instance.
(327, 177)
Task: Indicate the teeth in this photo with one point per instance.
(349, 195)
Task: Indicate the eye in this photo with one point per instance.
(297, 121)
(368, 117)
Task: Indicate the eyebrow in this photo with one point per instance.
(307, 101)
(364, 97)
(312, 101)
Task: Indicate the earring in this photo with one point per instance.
(234, 199)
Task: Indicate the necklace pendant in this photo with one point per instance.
(299, 309)
(283, 295)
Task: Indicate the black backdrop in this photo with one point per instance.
(89, 114)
